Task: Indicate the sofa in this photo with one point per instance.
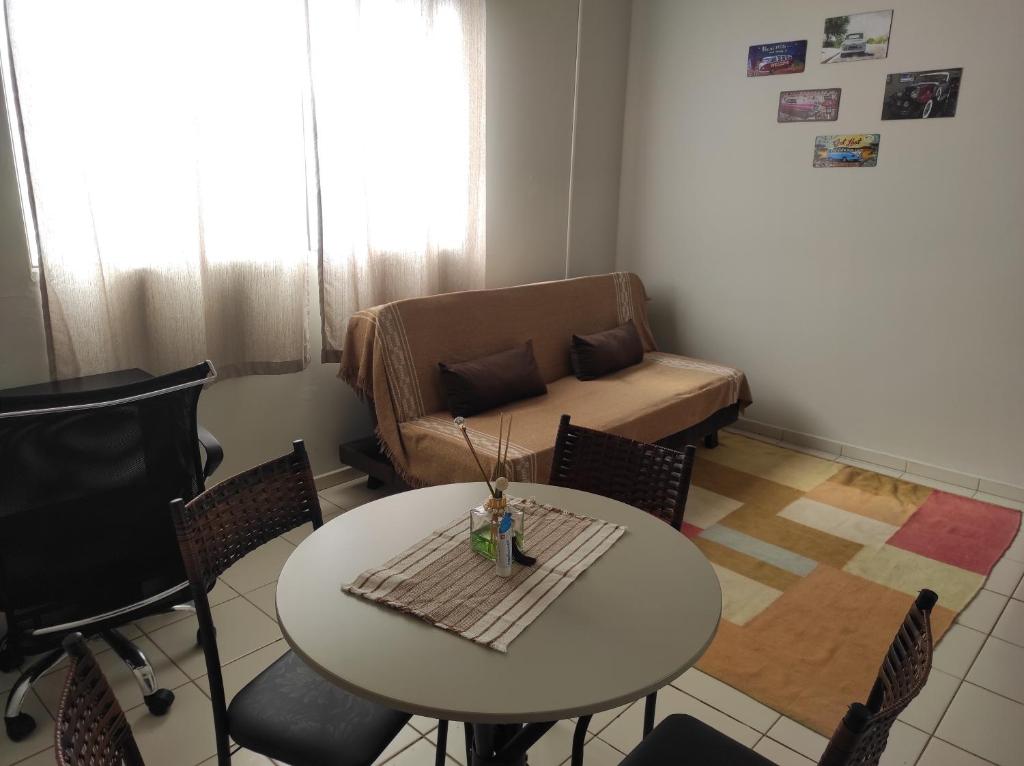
(391, 356)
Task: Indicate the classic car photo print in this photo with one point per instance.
(857, 37)
(850, 150)
(776, 58)
(920, 95)
(821, 105)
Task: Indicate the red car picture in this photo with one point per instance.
(821, 105)
(797, 110)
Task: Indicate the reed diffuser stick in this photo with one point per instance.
(496, 471)
(504, 458)
(462, 427)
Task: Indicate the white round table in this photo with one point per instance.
(634, 621)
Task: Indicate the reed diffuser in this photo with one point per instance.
(484, 518)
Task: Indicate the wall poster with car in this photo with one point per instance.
(857, 37)
(819, 105)
(920, 95)
(776, 58)
(850, 150)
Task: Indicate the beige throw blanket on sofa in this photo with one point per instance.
(391, 354)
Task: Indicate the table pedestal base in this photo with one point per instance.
(503, 744)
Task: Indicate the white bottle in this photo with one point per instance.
(503, 556)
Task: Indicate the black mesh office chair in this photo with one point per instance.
(86, 538)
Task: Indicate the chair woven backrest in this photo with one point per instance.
(861, 736)
(237, 516)
(650, 477)
(91, 728)
(222, 525)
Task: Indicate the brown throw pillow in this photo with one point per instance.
(490, 381)
(603, 352)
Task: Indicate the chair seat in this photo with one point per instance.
(291, 714)
(681, 740)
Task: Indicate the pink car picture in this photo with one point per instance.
(821, 105)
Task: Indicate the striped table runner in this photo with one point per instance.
(443, 581)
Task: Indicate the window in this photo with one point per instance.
(174, 152)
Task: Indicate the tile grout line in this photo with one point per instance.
(927, 742)
(730, 715)
(951, 744)
(609, 744)
(962, 681)
(406, 747)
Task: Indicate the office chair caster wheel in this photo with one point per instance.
(159, 702)
(19, 727)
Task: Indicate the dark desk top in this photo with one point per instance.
(77, 385)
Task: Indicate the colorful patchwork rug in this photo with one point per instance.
(819, 562)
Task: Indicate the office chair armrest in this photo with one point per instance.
(214, 452)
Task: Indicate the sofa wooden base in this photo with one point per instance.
(365, 454)
(706, 429)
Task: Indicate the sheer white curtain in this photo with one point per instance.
(167, 153)
(399, 101)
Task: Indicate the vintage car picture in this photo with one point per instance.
(920, 95)
(857, 37)
(821, 105)
(851, 150)
(776, 58)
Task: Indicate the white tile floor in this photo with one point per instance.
(971, 712)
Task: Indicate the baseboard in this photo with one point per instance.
(338, 476)
(838, 449)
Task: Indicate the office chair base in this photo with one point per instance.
(157, 700)
(160, 701)
(18, 724)
(19, 727)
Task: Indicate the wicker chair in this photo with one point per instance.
(861, 736)
(288, 712)
(91, 729)
(650, 477)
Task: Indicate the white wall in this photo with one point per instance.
(881, 307)
(531, 64)
(597, 157)
(531, 76)
(531, 72)
(256, 417)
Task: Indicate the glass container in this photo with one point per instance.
(483, 525)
